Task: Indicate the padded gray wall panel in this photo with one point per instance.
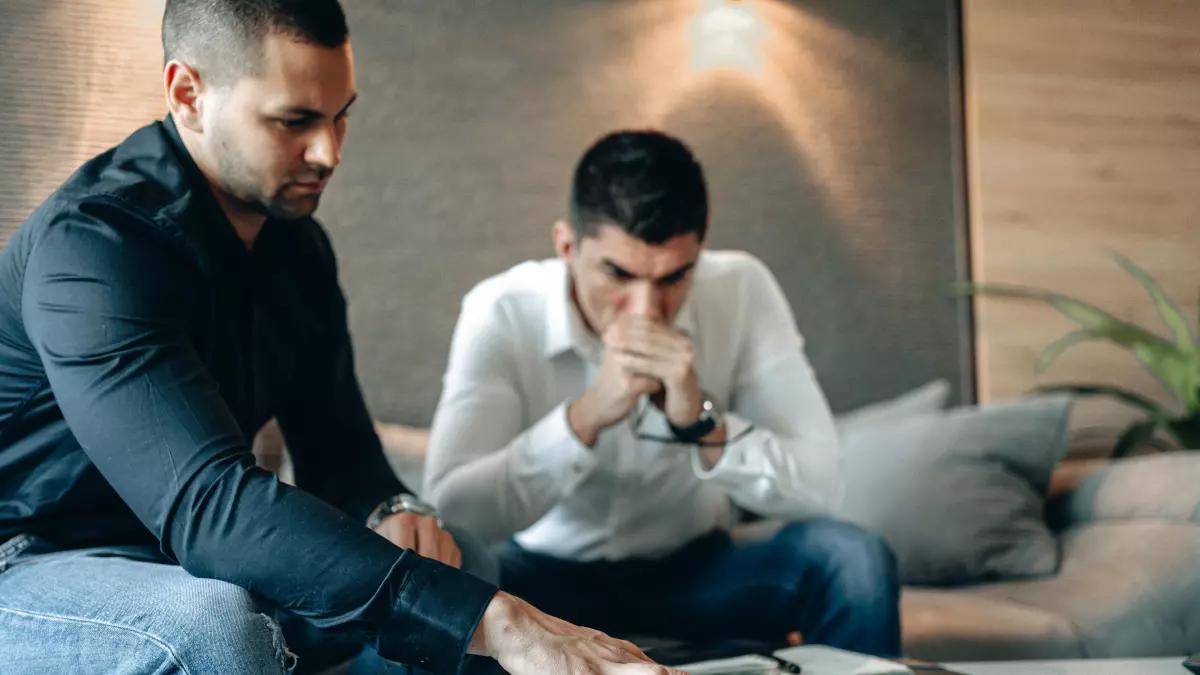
(834, 161)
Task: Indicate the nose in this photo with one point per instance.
(645, 300)
(325, 147)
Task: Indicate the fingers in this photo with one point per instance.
(639, 365)
(400, 529)
(631, 648)
(651, 344)
(627, 649)
(623, 646)
(643, 335)
(450, 553)
(428, 539)
(422, 535)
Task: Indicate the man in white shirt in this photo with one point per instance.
(606, 410)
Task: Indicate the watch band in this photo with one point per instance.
(705, 424)
(401, 503)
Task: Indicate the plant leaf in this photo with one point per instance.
(1055, 349)
(1085, 314)
(1135, 435)
(1171, 315)
(1158, 413)
(1178, 370)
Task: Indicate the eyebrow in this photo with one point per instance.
(317, 114)
(665, 278)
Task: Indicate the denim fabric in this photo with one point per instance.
(830, 581)
(126, 610)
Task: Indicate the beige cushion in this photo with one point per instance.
(1163, 486)
(957, 625)
(1130, 588)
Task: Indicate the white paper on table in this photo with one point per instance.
(820, 660)
(751, 664)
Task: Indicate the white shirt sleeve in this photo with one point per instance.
(789, 465)
(484, 471)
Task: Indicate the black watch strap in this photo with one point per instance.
(708, 421)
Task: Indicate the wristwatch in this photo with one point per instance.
(710, 418)
(401, 503)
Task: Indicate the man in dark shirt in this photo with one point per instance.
(167, 300)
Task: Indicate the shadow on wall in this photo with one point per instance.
(69, 90)
(824, 127)
(825, 132)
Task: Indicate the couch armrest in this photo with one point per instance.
(1162, 487)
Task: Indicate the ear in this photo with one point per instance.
(184, 88)
(565, 244)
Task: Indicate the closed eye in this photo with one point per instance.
(673, 279)
(617, 273)
(295, 122)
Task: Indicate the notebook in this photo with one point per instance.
(820, 660)
(750, 664)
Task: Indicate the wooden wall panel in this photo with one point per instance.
(1083, 124)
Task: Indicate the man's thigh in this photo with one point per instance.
(125, 611)
(714, 589)
(766, 589)
(586, 594)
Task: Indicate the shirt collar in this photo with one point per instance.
(566, 330)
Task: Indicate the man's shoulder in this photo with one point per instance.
(141, 172)
(722, 272)
(525, 286)
(128, 185)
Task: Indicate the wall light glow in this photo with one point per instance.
(727, 34)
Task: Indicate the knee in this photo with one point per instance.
(854, 560)
(224, 625)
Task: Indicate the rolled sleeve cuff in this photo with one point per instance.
(553, 449)
(731, 458)
(435, 617)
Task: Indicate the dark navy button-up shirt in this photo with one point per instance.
(142, 344)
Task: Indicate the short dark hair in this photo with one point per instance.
(647, 183)
(222, 39)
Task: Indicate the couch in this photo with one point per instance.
(1128, 584)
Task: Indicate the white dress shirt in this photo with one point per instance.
(504, 462)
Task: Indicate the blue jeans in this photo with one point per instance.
(830, 581)
(126, 610)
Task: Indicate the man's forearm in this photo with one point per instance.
(504, 491)
(712, 447)
(583, 422)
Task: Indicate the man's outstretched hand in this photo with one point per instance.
(527, 641)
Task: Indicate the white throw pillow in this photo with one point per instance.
(928, 398)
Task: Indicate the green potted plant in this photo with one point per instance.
(1174, 360)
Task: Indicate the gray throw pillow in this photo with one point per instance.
(959, 495)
